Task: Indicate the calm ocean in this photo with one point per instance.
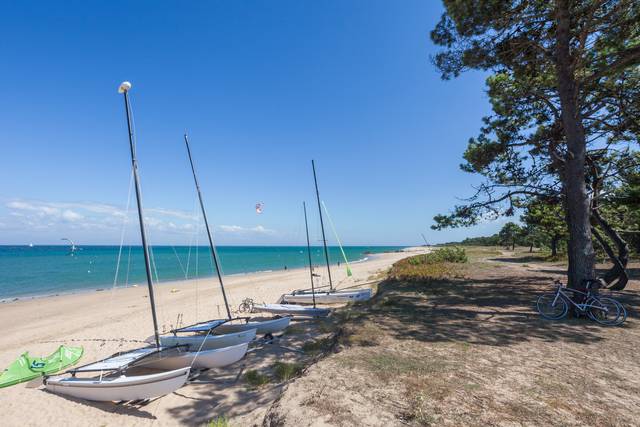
(46, 270)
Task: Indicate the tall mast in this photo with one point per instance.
(306, 227)
(214, 253)
(324, 239)
(124, 89)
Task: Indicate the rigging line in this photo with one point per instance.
(160, 306)
(200, 348)
(193, 235)
(197, 273)
(122, 232)
(346, 261)
(126, 280)
(125, 220)
(179, 262)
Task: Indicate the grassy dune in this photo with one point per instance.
(459, 343)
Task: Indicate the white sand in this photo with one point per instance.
(109, 321)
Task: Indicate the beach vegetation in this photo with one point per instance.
(285, 371)
(317, 346)
(255, 378)
(563, 85)
(220, 421)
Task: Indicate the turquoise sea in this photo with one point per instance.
(48, 270)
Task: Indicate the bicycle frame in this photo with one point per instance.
(582, 307)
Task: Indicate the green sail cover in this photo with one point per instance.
(26, 368)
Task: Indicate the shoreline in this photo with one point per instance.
(110, 288)
(105, 323)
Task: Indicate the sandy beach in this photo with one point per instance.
(104, 322)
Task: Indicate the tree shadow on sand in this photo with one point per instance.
(130, 409)
(224, 392)
(495, 311)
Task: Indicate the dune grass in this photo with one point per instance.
(220, 421)
(285, 371)
(255, 378)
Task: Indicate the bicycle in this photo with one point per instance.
(246, 306)
(603, 310)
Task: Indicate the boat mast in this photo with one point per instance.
(324, 239)
(306, 227)
(124, 89)
(214, 253)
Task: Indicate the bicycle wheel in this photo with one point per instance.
(552, 308)
(623, 312)
(605, 311)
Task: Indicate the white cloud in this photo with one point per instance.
(82, 219)
(69, 215)
(231, 228)
(258, 229)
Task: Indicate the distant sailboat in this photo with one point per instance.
(72, 246)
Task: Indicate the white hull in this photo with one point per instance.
(291, 310)
(119, 388)
(329, 297)
(206, 359)
(208, 342)
(262, 327)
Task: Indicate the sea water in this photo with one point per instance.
(50, 270)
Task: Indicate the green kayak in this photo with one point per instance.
(26, 368)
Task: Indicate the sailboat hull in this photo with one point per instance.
(291, 310)
(329, 297)
(208, 342)
(206, 359)
(119, 388)
(262, 327)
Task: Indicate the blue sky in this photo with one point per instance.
(262, 88)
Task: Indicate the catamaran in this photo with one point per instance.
(218, 333)
(133, 375)
(293, 309)
(332, 295)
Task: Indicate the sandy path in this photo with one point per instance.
(109, 321)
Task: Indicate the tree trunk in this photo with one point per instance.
(580, 248)
(531, 248)
(513, 245)
(617, 277)
(554, 245)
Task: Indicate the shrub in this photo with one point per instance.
(221, 421)
(255, 378)
(285, 371)
(453, 254)
(438, 264)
